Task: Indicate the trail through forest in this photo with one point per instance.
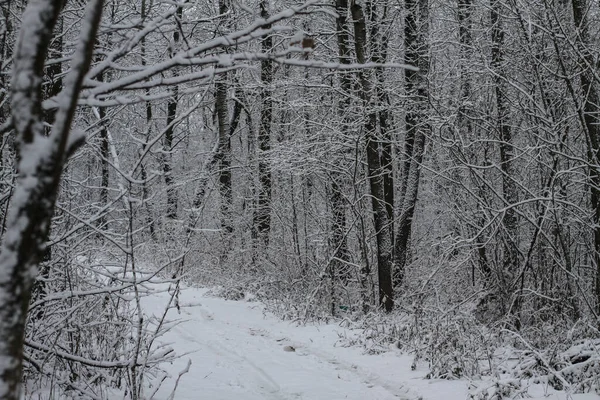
(238, 351)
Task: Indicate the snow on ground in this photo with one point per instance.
(239, 352)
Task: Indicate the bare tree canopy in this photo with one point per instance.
(426, 170)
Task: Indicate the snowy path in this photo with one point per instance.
(237, 353)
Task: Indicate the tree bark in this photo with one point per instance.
(169, 132)
(465, 119)
(104, 155)
(149, 121)
(224, 144)
(51, 88)
(379, 56)
(591, 115)
(40, 167)
(376, 182)
(509, 190)
(339, 265)
(262, 213)
(416, 30)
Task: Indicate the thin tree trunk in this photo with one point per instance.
(104, 155)
(5, 54)
(6, 39)
(509, 189)
(262, 213)
(379, 56)
(591, 110)
(169, 132)
(376, 181)
(339, 265)
(464, 117)
(224, 154)
(224, 143)
(149, 122)
(53, 82)
(52, 86)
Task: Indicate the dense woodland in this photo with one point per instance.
(425, 169)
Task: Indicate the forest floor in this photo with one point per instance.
(238, 351)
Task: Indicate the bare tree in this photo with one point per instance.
(416, 30)
(262, 214)
(41, 160)
(224, 154)
(591, 117)
(382, 222)
(170, 127)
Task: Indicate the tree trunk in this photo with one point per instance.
(51, 88)
(376, 181)
(262, 213)
(591, 110)
(169, 132)
(379, 56)
(104, 155)
(339, 266)
(40, 168)
(509, 190)
(224, 154)
(5, 54)
(416, 30)
(224, 144)
(465, 116)
(149, 121)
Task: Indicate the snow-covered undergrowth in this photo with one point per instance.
(557, 356)
(500, 363)
(87, 336)
(276, 339)
(236, 348)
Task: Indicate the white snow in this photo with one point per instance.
(238, 351)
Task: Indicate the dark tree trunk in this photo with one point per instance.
(262, 213)
(509, 190)
(104, 155)
(169, 133)
(339, 266)
(52, 87)
(591, 110)
(5, 54)
(224, 154)
(224, 144)
(379, 56)
(211, 165)
(381, 220)
(53, 83)
(149, 122)
(465, 119)
(416, 30)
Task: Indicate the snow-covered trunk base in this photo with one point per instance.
(40, 166)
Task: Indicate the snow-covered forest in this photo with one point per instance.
(421, 175)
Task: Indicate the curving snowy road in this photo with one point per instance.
(238, 353)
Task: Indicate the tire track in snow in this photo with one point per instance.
(368, 378)
(259, 333)
(263, 380)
